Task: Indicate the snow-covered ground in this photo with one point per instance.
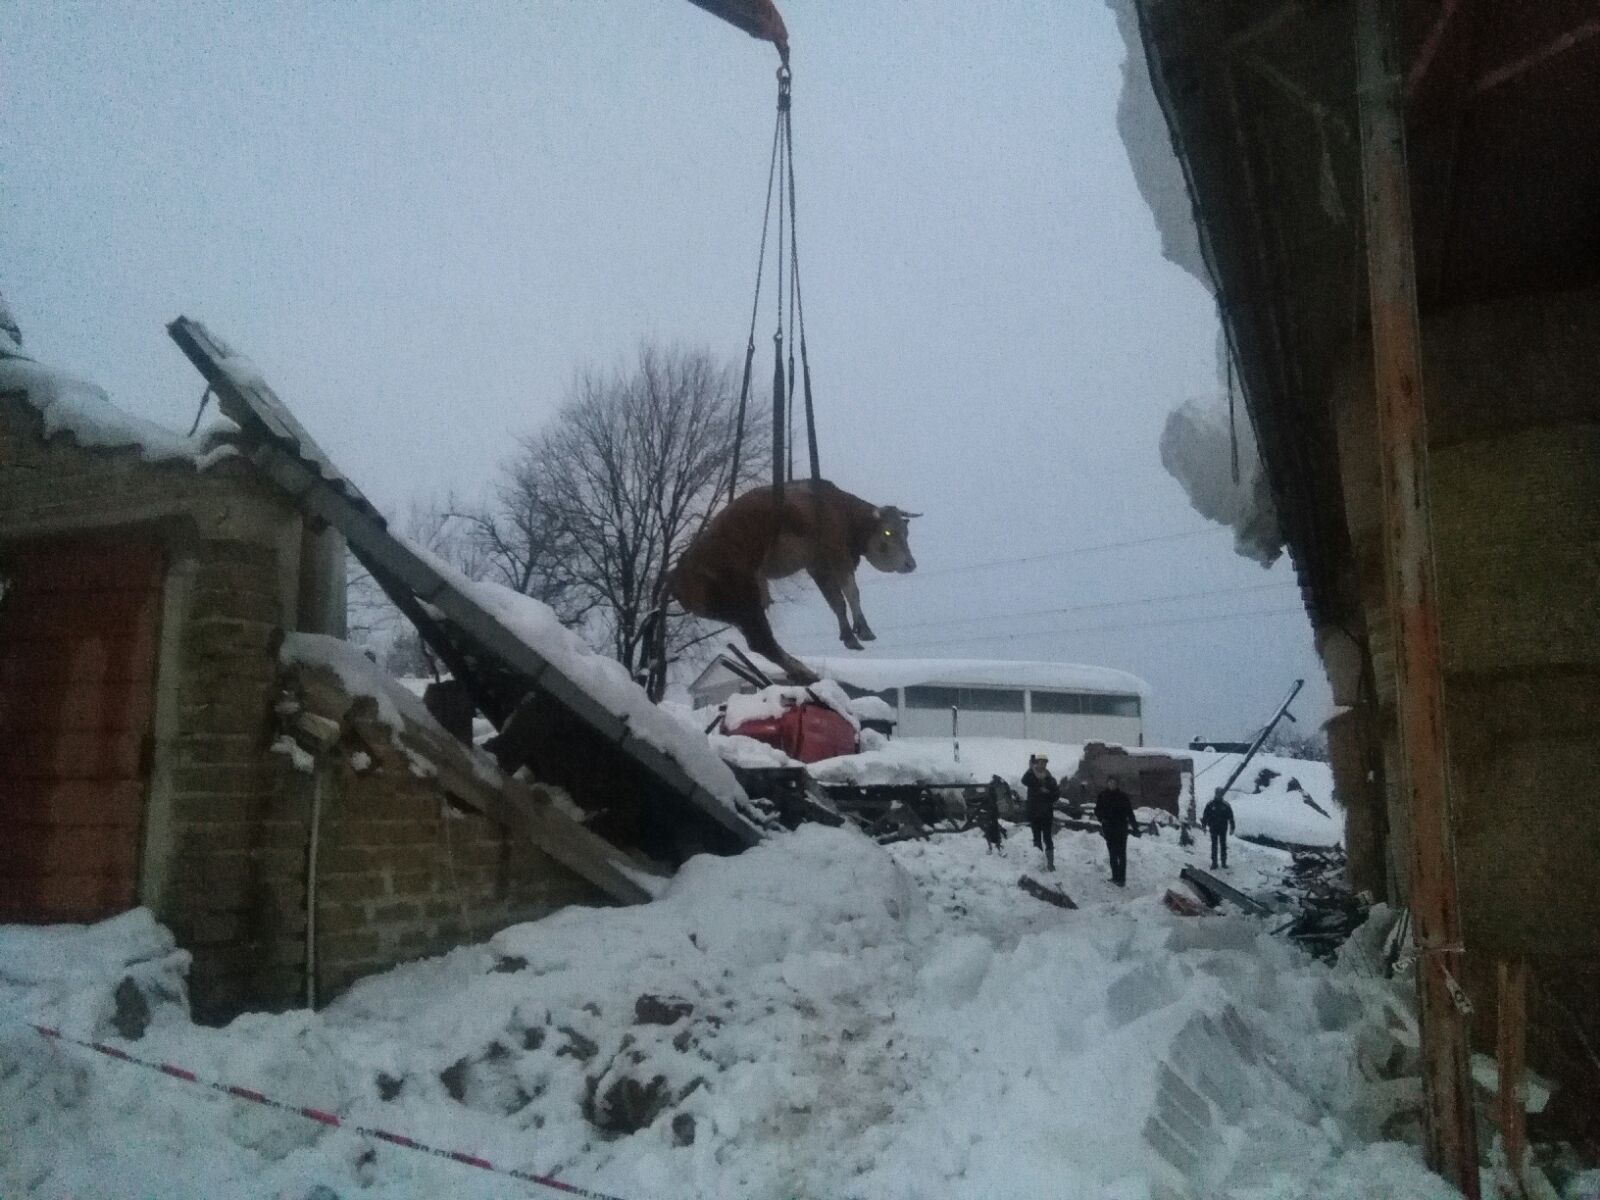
(836, 1019)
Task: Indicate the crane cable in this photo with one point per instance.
(780, 178)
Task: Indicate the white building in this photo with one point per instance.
(1052, 702)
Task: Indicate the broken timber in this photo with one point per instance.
(1206, 883)
(281, 448)
(1048, 894)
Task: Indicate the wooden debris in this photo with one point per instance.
(1195, 877)
(1049, 895)
(1182, 905)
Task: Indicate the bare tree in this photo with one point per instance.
(598, 504)
(375, 623)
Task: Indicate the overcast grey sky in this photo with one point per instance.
(418, 219)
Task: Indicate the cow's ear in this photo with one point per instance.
(877, 514)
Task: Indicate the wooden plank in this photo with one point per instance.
(36, 851)
(1511, 1052)
(1450, 1128)
(71, 802)
(102, 614)
(49, 754)
(72, 707)
(1050, 895)
(28, 664)
(62, 898)
(87, 565)
(1225, 891)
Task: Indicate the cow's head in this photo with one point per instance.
(888, 548)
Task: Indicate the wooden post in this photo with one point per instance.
(1411, 585)
(1511, 1052)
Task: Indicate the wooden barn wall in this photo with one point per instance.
(1514, 427)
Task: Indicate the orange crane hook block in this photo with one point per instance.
(758, 18)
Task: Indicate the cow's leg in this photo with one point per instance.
(746, 614)
(852, 596)
(828, 585)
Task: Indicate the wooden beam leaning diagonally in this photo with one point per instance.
(1412, 594)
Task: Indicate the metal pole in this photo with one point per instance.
(1409, 571)
(1261, 737)
(955, 730)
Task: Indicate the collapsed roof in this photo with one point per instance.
(592, 730)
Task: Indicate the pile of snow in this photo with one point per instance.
(605, 681)
(81, 409)
(772, 702)
(820, 1016)
(1274, 805)
(115, 977)
(871, 708)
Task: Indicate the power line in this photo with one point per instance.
(1171, 621)
(1053, 554)
(1072, 608)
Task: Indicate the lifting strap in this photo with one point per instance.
(780, 178)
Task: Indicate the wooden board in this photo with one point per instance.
(79, 625)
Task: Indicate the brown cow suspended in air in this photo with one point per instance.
(817, 528)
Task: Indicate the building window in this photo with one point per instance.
(888, 696)
(995, 700)
(1058, 702)
(933, 697)
(1111, 706)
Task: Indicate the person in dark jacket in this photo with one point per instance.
(1114, 811)
(1043, 791)
(1218, 820)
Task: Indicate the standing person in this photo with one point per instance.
(1218, 820)
(1043, 791)
(1114, 811)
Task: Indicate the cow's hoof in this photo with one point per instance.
(865, 634)
(851, 642)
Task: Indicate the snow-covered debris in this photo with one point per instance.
(819, 1016)
(81, 409)
(117, 976)
(772, 702)
(604, 680)
(747, 752)
(1196, 450)
(874, 709)
(359, 676)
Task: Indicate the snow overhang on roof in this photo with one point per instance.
(880, 674)
(70, 406)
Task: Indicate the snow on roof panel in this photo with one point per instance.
(878, 674)
(80, 409)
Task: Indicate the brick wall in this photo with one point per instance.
(404, 873)
(1514, 430)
